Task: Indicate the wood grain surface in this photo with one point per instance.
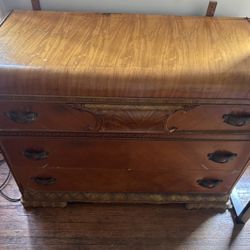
(125, 166)
(133, 118)
(120, 227)
(47, 53)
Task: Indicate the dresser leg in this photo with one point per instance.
(30, 204)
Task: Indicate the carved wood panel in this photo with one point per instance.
(131, 117)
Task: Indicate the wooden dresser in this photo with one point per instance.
(124, 108)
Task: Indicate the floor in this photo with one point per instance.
(87, 226)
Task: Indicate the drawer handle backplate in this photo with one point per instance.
(221, 156)
(44, 180)
(237, 120)
(22, 116)
(36, 154)
(209, 183)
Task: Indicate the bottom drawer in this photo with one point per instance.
(102, 165)
(97, 180)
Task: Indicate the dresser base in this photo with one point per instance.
(61, 199)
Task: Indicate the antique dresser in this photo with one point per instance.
(124, 108)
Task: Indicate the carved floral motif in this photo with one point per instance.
(131, 118)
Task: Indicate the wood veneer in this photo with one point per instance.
(122, 107)
(131, 117)
(75, 54)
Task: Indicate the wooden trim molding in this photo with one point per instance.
(36, 4)
(178, 135)
(32, 198)
(123, 100)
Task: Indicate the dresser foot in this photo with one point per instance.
(208, 205)
(34, 204)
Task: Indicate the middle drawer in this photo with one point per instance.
(82, 153)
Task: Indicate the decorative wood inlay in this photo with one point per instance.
(151, 118)
(34, 198)
(197, 136)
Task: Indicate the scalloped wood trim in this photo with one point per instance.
(33, 198)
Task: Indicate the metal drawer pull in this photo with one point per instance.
(35, 154)
(209, 183)
(221, 156)
(22, 116)
(237, 120)
(44, 180)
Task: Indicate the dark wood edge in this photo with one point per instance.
(124, 100)
(36, 4)
(129, 136)
(211, 8)
(5, 18)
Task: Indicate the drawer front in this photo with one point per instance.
(120, 180)
(44, 116)
(123, 118)
(126, 166)
(129, 155)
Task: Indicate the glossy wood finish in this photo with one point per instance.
(210, 118)
(74, 54)
(126, 155)
(125, 166)
(123, 181)
(130, 118)
(138, 105)
(50, 116)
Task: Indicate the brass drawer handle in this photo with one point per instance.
(35, 154)
(22, 116)
(221, 156)
(44, 180)
(237, 120)
(209, 183)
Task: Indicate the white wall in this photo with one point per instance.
(3, 10)
(178, 7)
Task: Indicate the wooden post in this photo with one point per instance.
(36, 4)
(211, 8)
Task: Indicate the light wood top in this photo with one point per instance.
(51, 53)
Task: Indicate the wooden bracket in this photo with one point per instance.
(36, 4)
(211, 8)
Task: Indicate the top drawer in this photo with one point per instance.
(123, 118)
